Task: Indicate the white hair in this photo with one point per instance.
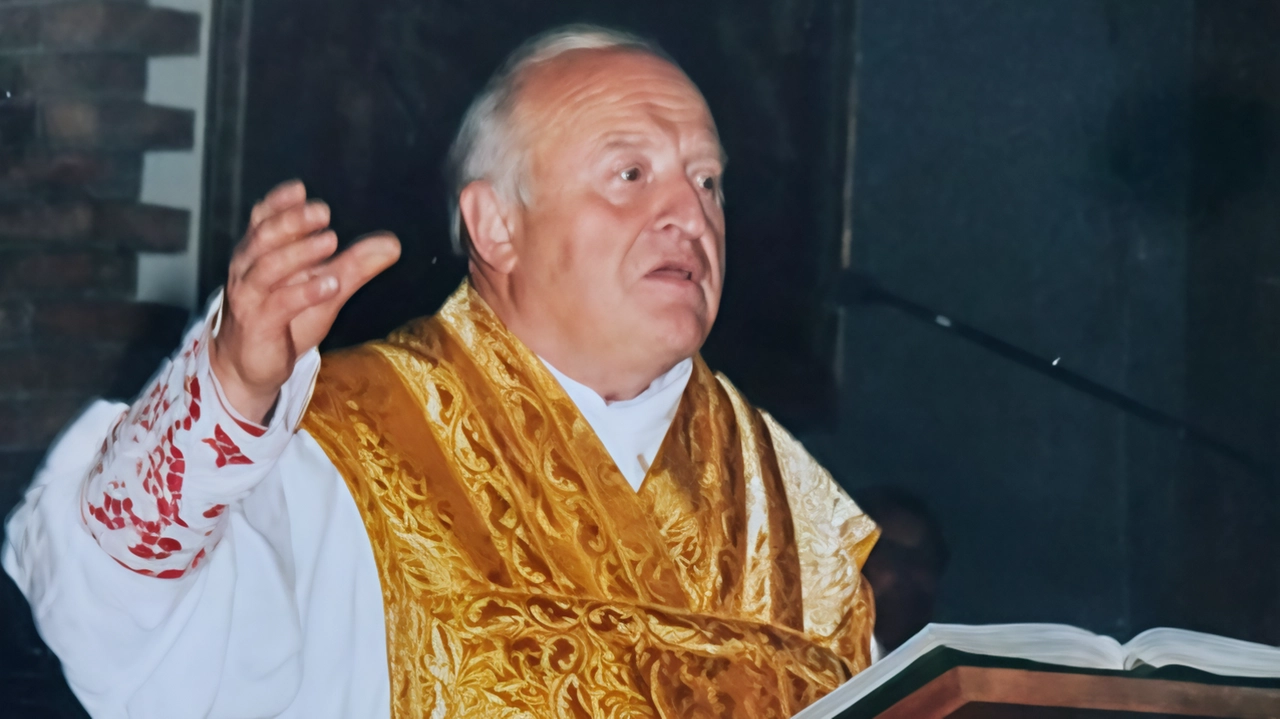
(485, 147)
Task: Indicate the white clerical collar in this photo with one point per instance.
(631, 430)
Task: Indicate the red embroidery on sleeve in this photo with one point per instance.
(143, 572)
(228, 452)
(162, 472)
(250, 429)
(133, 495)
(164, 574)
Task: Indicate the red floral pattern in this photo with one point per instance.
(134, 496)
(228, 452)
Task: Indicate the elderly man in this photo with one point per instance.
(538, 502)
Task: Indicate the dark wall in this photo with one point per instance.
(1079, 179)
(1231, 566)
(74, 129)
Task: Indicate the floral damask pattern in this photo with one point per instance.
(524, 577)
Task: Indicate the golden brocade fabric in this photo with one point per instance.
(522, 576)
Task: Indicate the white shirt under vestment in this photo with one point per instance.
(285, 616)
(632, 430)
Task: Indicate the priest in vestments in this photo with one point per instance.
(539, 502)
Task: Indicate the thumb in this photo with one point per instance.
(353, 268)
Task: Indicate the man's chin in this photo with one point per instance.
(678, 334)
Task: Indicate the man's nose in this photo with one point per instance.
(682, 211)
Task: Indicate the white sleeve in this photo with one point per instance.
(135, 644)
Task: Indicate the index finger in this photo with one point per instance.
(283, 196)
(290, 225)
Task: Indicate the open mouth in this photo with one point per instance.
(673, 271)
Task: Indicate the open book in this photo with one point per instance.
(1060, 645)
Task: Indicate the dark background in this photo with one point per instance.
(1094, 181)
(1091, 180)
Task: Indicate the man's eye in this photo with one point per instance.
(708, 183)
(631, 174)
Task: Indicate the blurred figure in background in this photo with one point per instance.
(906, 565)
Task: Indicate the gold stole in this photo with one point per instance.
(522, 575)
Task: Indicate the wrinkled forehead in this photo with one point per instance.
(584, 95)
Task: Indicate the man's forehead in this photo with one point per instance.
(618, 87)
(602, 65)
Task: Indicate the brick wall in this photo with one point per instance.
(73, 129)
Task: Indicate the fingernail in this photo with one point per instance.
(329, 285)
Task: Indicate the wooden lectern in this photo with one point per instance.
(978, 692)
(946, 682)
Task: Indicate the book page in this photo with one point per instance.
(1048, 643)
(1206, 652)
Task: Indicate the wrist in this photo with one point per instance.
(252, 403)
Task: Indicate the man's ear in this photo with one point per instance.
(489, 224)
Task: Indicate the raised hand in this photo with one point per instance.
(283, 292)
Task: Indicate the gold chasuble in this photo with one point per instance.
(523, 577)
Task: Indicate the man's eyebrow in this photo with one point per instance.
(611, 141)
(713, 148)
(620, 140)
